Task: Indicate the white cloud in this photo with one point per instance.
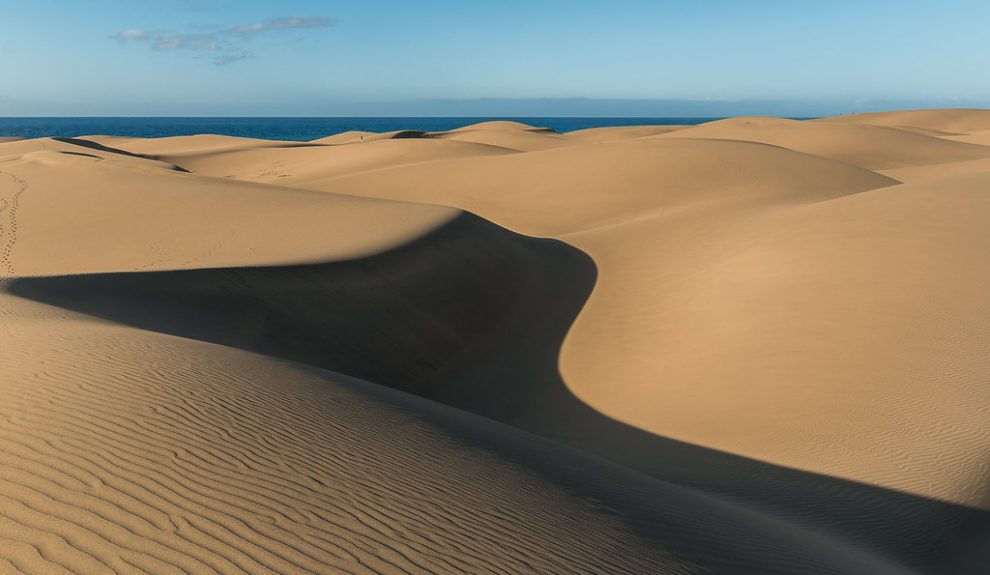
(131, 34)
(289, 23)
(225, 44)
(198, 42)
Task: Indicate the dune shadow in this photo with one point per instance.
(101, 148)
(84, 155)
(474, 316)
(97, 146)
(410, 134)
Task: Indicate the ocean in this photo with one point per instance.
(300, 129)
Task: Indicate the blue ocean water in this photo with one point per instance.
(300, 129)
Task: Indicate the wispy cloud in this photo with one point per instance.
(226, 45)
(289, 23)
(131, 34)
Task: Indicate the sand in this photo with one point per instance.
(752, 346)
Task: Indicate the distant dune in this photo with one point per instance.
(874, 147)
(756, 346)
(620, 133)
(959, 121)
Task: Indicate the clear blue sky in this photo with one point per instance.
(306, 57)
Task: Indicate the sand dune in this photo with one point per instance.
(290, 166)
(178, 220)
(609, 134)
(357, 136)
(511, 135)
(981, 137)
(110, 141)
(935, 171)
(950, 120)
(735, 348)
(186, 145)
(347, 137)
(763, 292)
(127, 451)
(579, 187)
(871, 147)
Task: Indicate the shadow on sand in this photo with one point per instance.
(474, 316)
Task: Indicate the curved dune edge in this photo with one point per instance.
(129, 451)
(495, 354)
(709, 249)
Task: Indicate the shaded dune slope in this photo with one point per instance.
(163, 453)
(411, 317)
(492, 349)
(126, 451)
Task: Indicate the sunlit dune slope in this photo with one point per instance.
(846, 336)
(291, 166)
(68, 149)
(511, 135)
(609, 134)
(89, 211)
(949, 120)
(555, 191)
(936, 171)
(195, 144)
(868, 146)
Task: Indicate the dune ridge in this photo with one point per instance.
(730, 348)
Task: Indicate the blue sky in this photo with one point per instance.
(390, 57)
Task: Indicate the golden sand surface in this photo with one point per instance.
(755, 345)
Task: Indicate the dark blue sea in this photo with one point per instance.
(301, 129)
